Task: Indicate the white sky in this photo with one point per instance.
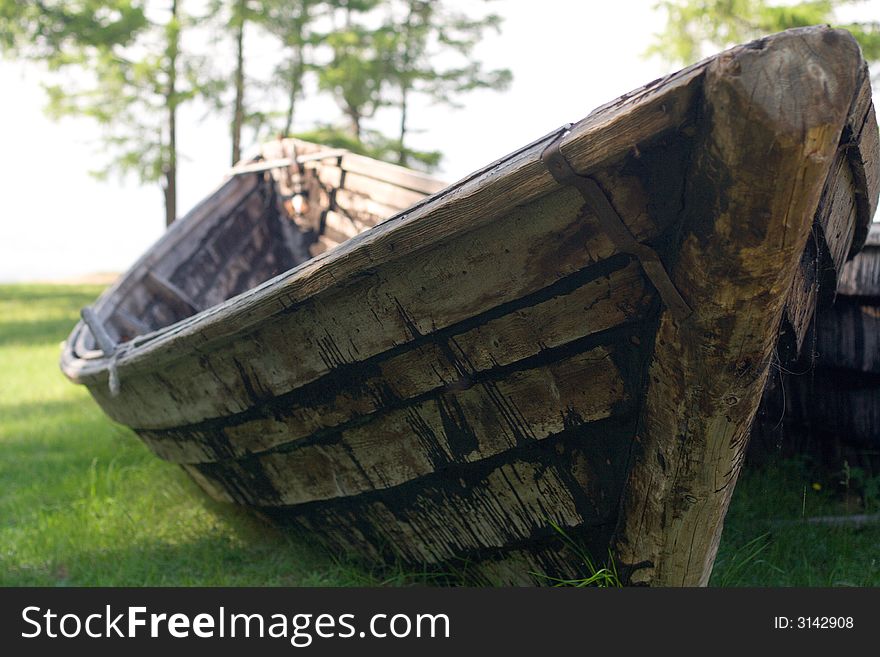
(567, 57)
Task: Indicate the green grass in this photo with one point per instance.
(83, 502)
(767, 542)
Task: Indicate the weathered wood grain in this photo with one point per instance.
(483, 365)
(380, 191)
(461, 512)
(571, 311)
(480, 199)
(363, 208)
(453, 427)
(848, 337)
(127, 294)
(389, 305)
(159, 297)
(845, 209)
(861, 275)
(240, 247)
(863, 151)
(391, 173)
(836, 405)
(838, 216)
(803, 297)
(783, 102)
(338, 227)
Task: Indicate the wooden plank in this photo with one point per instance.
(191, 269)
(802, 299)
(863, 152)
(317, 200)
(835, 405)
(848, 337)
(321, 155)
(434, 521)
(381, 192)
(439, 527)
(342, 227)
(392, 174)
(571, 312)
(366, 221)
(209, 443)
(363, 207)
(454, 427)
(465, 511)
(847, 203)
(334, 237)
(169, 292)
(479, 200)
(261, 165)
(324, 243)
(838, 215)
(329, 174)
(176, 243)
(861, 275)
(215, 270)
(258, 166)
(782, 102)
(504, 509)
(129, 325)
(246, 264)
(390, 304)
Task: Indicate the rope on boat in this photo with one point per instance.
(113, 382)
(614, 227)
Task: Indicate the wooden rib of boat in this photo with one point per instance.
(575, 337)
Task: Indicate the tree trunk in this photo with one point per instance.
(401, 152)
(238, 113)
(354, 127)
(782, 104)
(405, 86)
(171, 105)
(291, 102)
(295, 76)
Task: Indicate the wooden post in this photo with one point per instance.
(774, 111)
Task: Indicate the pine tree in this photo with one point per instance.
(425, 31)
(692, 25)
(119, 63)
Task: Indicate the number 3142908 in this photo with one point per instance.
(824, 622)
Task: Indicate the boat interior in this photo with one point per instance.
(292, 202)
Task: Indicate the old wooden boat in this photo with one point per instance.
(573, 339)
(827, 403)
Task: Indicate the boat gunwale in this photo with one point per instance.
(129, 355)
(249, 308)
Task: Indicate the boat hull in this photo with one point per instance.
(494, 380)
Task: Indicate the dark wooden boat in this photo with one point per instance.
(827, 403)
(574, 338)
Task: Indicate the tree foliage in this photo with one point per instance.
(694, 25)
(292, 24)
(129, 65)
(425, 32)
(56, 31)
(357, 72)
(121, 64)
